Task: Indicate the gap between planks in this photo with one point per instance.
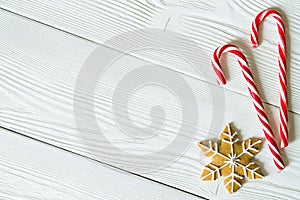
(85, 167)
(140, 57)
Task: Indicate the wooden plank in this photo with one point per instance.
(208, 23)
(33, 170)
(39, 67)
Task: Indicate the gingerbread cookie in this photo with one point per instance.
(231, 159)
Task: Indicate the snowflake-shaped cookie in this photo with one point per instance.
(231, 159)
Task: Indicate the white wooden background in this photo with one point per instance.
(43, 44)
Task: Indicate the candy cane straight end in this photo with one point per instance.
(221, 82)
(283, 144)
(280, 166)
(279, 169)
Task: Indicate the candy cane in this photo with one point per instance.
(254, 94)
(282, 66)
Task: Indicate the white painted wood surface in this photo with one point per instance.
(32, 170)
(218, 22)
(39, 66)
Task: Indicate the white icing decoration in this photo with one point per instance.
(233, 180)
(232, 159)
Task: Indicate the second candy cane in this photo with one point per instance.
(282, 66)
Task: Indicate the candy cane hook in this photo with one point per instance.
(282, 66)
(262, 116)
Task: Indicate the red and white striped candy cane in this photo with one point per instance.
(282, 66)
(254, 94)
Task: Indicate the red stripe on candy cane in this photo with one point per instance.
(262, 116)
(282, 66)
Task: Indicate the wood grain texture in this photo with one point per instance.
(210, 24)
(39, 67)
(201, 4)
(33, 170)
